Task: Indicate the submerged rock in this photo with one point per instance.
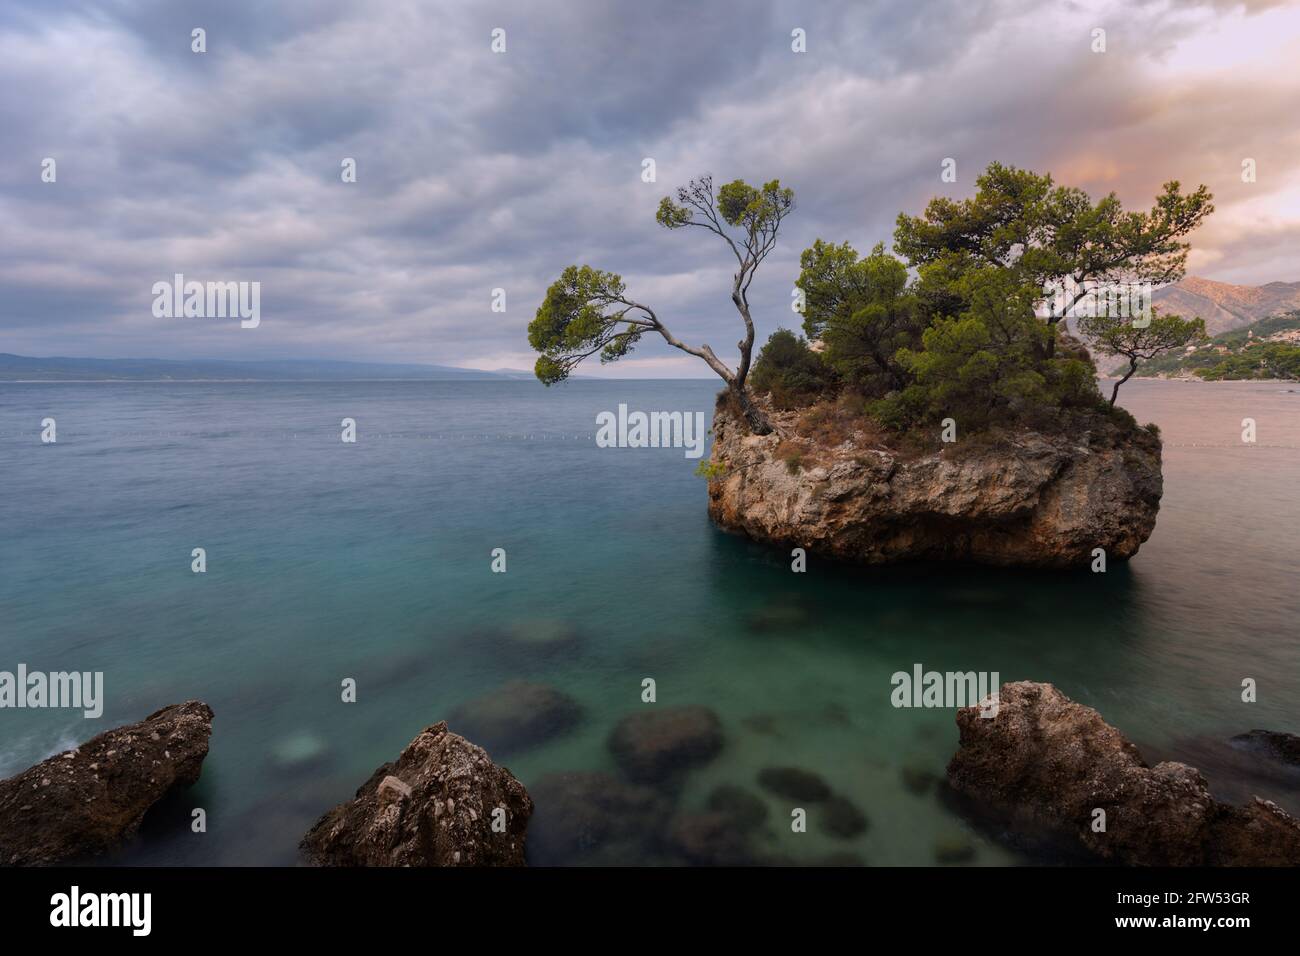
(662, 743)
(1284, 748)
(433, 806)
(299, 752)
(953, 849)
(1031, 499)
(87, 801)
(747, 810)
(918, 779)
(591, 817)
(839, 817)
(711, 838)
(517, 715)
(794, 784)
(1045, 764)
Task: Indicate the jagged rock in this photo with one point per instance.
(1045, 763)
(517, 715)
(590, 817)
(84, 802)
(794, 784)
(433, 806)
(1029, 498)
(662, 743)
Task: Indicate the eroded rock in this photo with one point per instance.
(433, 806)
(86, 801)
(1027, 498)
(1045, 764)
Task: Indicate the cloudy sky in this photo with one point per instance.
(479, 170)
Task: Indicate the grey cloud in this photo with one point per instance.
(478, 170)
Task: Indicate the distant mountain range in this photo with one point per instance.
(16, 368)
(1225, 307)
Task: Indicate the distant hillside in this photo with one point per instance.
(59, 369)
(1223, 306)
(1268, 348)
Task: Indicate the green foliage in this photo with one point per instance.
(1120, 335)
(791, 372)
(584, 312)
(1019, 221)
(965, 339)
(1236, 354)
(862, 310)
(710, 470)
(1260, 360)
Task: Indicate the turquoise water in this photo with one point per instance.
(372, 561)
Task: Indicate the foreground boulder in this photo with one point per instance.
(1045, 764)
(89, 800)
(433, 806)
(1027, 499)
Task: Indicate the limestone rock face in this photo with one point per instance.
(1027, 499)
(86, 801)
(1044, 764)
(433, 806)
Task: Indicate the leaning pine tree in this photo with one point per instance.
(587, 311)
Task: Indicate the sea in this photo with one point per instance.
(373, 562)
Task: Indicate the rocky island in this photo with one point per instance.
(1030, 498)
(936, 407)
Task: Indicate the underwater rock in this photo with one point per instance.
(662, 743)
(517, 715)
(918, 779)
(840, 818)
(1273, 744)
(747, 810)
(711, 838)
(592, 817)
(794, 784)
(953, 849)
(301, 751)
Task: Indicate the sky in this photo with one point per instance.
(479, 170)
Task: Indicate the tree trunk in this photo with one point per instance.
(1132, 367)
(754, 417)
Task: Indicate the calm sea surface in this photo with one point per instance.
(372, 561)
